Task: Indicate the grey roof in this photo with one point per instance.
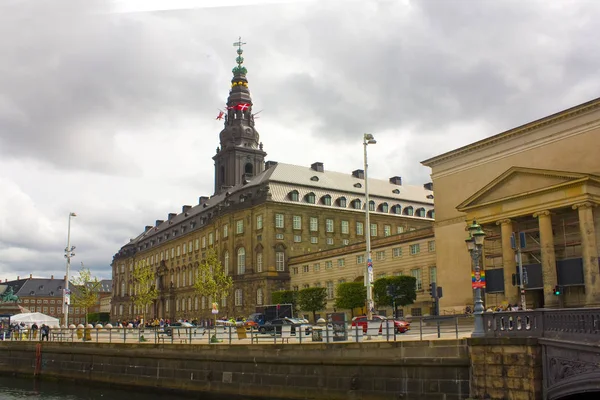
(42, 287)
(283, 178)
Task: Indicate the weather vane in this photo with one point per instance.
(240, 60)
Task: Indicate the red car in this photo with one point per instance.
(399, 326)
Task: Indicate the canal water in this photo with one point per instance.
(16, 388)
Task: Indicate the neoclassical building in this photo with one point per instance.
(541, 179)
(261, 214)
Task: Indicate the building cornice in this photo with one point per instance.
(536, 125)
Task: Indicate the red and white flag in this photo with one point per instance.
(242, 106)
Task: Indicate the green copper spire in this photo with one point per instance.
(240, 69)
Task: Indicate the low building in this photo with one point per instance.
(410, 253)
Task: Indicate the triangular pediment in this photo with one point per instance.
(519, 181)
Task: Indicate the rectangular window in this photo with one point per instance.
(211, 239)
(305, 268)
(259, 262)
(380, 255)
(279, 236)
(239, 226)
(314, 239)
(397, 252)
(387, 230)
(297, 222)
(400, 229)
(294, 270)
(280, 261)
(238, 297)
(279, 221)
(328, 225)
(297, 238)
(203, 242)
(345, 227)
(314, 224)
(359, 228)
(341, 262)
(373, 229)
(259, 222)
(225, 230)
(328, 264)
(178, 251)
(432, 274)
(317, 266)
(329, 241)
(330, 291)
(431, 245)
(360, 259)
(416, 273)
(415, 249)
(184, 250)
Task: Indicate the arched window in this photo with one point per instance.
(371, 205)
(420, 212)
(189, 304)
(431, 214)
(226, 263)
(384, 207)
(191, 276)
(196, 303)
(310, 198)
(397, 209)
(241, 261)
(183, 275)
(294, 196)
(356, 204)
(342, 202)
(326, 200)
(248, 169)
(408, 210)
(259, 297)
(204, 302)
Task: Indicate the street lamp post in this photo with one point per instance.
(68, 255)
(475, 247)
(367, 140)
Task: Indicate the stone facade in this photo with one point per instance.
(410, 253)
(436, 370)
(541, 179)
(506, 368)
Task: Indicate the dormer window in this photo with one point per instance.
(356, 204)
(314, 178)
(397, 209)
(342, 202)
(430, 196)
(294, 196)
(357, 185)
(396, 191)
(326, 200)
(311, 198)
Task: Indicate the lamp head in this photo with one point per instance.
(369, 139)
(470, 242)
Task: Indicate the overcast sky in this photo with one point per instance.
(108, 109)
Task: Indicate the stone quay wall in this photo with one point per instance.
(428, 370)
(506, 368)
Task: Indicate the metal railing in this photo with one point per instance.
(573, 323)
(422, 328)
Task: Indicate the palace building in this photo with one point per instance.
(539, 182)
(261, 214)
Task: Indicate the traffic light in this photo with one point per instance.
(433, 290)
(558, 290)
(440, 293)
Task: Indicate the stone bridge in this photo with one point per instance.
(543, 354)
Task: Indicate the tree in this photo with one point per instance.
(86, 290)
(211, 279)
(350, 295)
(395, 291)
(312, 299)
(144, 281)
(286, 297)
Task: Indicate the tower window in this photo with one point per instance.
(248, 169)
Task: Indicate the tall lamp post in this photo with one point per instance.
(475, 247)
(68, 255)
(367, 140)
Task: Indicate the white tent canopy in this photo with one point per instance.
(38, 318)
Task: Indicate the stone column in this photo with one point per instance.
(549, 274)
(508, 261)
(589, 253)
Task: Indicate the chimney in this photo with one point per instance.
(318, 166)
(358, 173)
(396, 180)
(185, 209)
(270, 164)
(202, 199)
(30, 276)
(147, 228)
(428, 186)
(18, 277)
(171, 216)
(158, 222)
(65, 278)
(51, 276)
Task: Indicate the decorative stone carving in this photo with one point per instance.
(560, 369)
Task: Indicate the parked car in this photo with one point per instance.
(276, 324)
(400, 326)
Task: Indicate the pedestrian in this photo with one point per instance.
(45, 332)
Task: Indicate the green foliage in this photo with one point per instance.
(85, 292)
(312, 299)
(350, 295)
(286, 297)
(211, 280)
(405, 290)
(145, 291)
(102, 317)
